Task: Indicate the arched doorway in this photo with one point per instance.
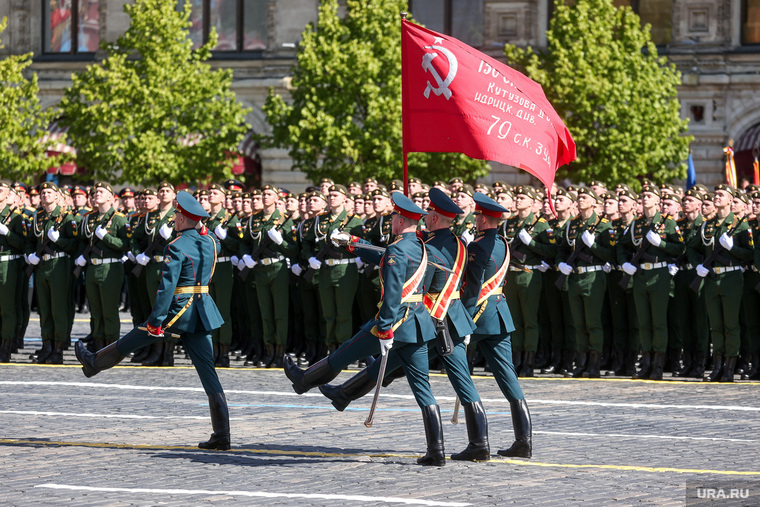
(746, 150)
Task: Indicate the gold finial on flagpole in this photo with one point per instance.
(403, 15)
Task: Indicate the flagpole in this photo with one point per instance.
(403, 123)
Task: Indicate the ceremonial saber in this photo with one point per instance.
(172, 335)
(380, 377)
(455, 417)
(382, 249)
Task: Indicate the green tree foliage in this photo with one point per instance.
(23, 123)
(602, 73)
(344, 121)
(153, 109)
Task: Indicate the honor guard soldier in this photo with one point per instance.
(487, 267)
(13, 237)
(184, 307)
(463, 225)
(523, 287)
(723, 244)
(103, 242)
(225, 228)
(56, 237)
(691, 313)
(751, 298)
(587, 241)
(401, 319)
(652, 242)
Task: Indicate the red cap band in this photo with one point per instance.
(407, 214)
(189, 215)
(438, 210)
(488, 212)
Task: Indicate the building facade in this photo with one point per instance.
(714, 43)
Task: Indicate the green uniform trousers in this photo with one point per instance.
(651, 290)
(523, 293)
(691, 314)
(337, 289)
(103, 287)
(560, 318)
(272, 285)
(625, 324)
(9, 275)
(723, 295)
(586, 293)
(52, 280)
(751, 303)
(220, 289)
(313, 323)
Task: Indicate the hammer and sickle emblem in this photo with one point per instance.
(443, 84)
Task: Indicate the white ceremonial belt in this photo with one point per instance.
(588, 269)
(4, 258)
(720, 270)
(223, 259)
(271, 260)
(652, 265)
(109, 260)
(335, 262)
(58, 255)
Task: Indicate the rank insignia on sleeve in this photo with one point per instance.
(391, 260)
(167, 259)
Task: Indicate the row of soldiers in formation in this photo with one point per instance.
(656, 277)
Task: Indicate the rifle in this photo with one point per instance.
(323, 251)
(577, 252)
(265, 243)
(517, 254)
(151, 248)
(710, 259)
(91, 249)
(44, 246)
(641, 252)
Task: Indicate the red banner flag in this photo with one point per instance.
(457, 99)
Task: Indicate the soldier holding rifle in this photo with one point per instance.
(12, 242)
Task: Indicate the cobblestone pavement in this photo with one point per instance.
(128, 436)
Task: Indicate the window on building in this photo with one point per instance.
(241, 25)
(71, 26)
(751, 22)
(462, 19)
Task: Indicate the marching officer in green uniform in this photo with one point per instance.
(691, 313)
(659, 242)
(224, 226)
(401, 320)
(271, 243)
(103, 242)
(523, 287)
(483, 298)
(184, 307)
(12, 244)
(56, 238)
(587, 237)
(727, 242)
(337, 270)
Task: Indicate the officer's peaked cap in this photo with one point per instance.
(404, 206)
(488, 206)
(442, 203)
(189, 206)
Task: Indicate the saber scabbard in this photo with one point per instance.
(380, 377)
(455, 417)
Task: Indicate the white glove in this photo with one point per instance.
(629, 268)
(81, 261)
(53, 235)
(525, 236)
(726, 241)
(296, 269)
(467, 237)
(4, 230)
(142, 259)
(702, 271)
(249, 262)
(654, 238)
(359, 263)
(544, 267)
(314, 263)
(235, 260)
(565, 268)
(672, 269)
(386, 345)
(33, 259)
(165, 231)
(275, 235)
(607, 268)
(340, 238)
(220, 232)
(241, 265)
(467, 340)
(131, 257)
(100, 232)
(588, 238)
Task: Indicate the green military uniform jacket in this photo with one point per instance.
(522, 254)
(702, 244)
(112, 246)
(631, 240)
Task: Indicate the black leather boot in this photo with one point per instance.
(395, 374)
(477, 433)
(645, 365)
(223, 360)
(673, 362)
(527, 364)
(567, 362)
(311, 352)
(167, 358)
(728, 369)
(140, 355)
(253, 356)
(279, 352)
(629, 364)
(94, 363)
(754, 371)
(315, 375)
(44, 352)
(555, 363)
(56, 357)
(617, 361)
(267, 356)
(717, 370)
(435, 455)
(5, 351)
(593, 369)
(523, 445)
(154, 358)
(688, 364)
(580, 364)
(220, 423)
(516, 359)
(658, 363)
(698, 366)
(352, 389)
